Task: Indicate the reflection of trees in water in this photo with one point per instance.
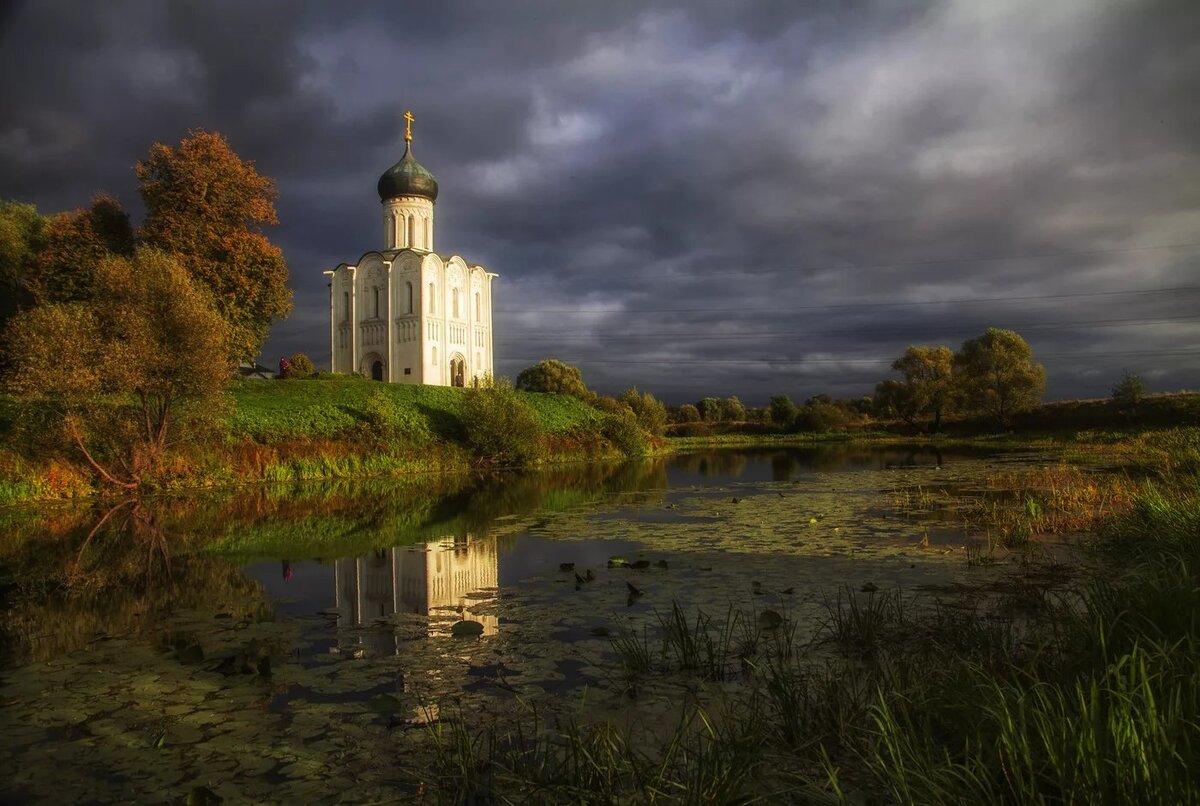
(713, 463)
(106, 573)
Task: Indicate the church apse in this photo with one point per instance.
(447, 580)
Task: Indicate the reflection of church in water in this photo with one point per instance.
(452, 578)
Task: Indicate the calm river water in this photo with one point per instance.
(298, 643)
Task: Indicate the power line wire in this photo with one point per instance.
(846, 305)
(842, 360)
(709, 336)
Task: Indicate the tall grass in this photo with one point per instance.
(1085, 694)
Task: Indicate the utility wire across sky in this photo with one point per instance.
(847, 305)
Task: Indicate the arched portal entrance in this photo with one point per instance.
(372, 366)
(458, 371)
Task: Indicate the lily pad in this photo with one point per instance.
(385, 704)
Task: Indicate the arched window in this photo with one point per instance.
(375, 302)
(345, 306)
(412, 231)
(454, 295)
(429, 233)
(478, 308)
(409, 292)
(432, 300)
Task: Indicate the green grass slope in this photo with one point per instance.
(327, 408)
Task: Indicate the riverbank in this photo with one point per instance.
(343, 428)
(303, 430)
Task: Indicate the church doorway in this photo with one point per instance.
(377, 371)
(458, 371)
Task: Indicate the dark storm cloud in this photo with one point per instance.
(671, 192)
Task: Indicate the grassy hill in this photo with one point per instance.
(332, 407)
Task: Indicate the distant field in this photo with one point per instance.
(267, 411)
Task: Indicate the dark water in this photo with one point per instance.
(280, 618)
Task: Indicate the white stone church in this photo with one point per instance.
(406, 313)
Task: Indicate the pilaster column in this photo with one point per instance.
(391, 325)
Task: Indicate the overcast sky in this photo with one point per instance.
(696, 197)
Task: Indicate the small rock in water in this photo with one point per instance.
(632, 590)
(788, 591)
(640, 564)
(870, 587)
(617, 562)
(466, 629)
(769, 619)
(662, 564)
(203, 796)
(566, 566)
(735, 500)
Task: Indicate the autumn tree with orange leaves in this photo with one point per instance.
(207, 207)
(73, 244)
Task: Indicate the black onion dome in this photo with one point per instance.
(407, 178)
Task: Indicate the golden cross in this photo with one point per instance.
(408, 119)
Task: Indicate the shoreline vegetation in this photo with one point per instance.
(1071, 683)
(327, 428)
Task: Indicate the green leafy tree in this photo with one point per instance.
(895, 398)
(689, 413)
(208, 207)
(128, 375)
(734, 410)
(712, 409)
(997, 376)
(21, 238)
(552, 375)
(1128, 392)
(929, 375)
(73, 245)
(783, 411)
(650, 413)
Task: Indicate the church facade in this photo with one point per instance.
(405, 313)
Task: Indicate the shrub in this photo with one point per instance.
(299, 366)
(622, 430)
(499, 426)
(651, 414)
(552, 375)
(1129, 392)
(820, 416)
(689, 413)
